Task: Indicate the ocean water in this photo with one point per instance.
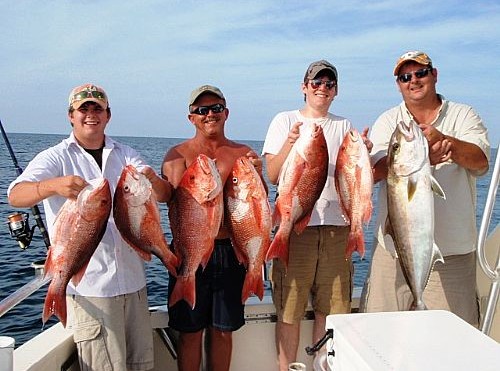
(24, 320)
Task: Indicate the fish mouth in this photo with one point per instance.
(407, 130)
(353, 134)
(132, 171)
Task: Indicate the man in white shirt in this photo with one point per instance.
(317, 264)
(458, 151)
(111, 323)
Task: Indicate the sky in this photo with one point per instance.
(150, 54)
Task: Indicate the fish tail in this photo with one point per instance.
(55, 303)
(184, 289)
(278, 249)
(253, 285)
(418, 305)
(355, 242)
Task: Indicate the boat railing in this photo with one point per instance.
(492, 274)
(26, 290)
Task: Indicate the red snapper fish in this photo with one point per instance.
(302, 179)
(248, 217)
(195, 214)
(354, 184)
(78, 229)
(137, 217)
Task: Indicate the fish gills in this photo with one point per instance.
(354, 184)
(302, 179)
(78, 229)
(137, 217)
(248, 216)
(195, 214)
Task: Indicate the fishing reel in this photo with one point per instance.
(20, 229)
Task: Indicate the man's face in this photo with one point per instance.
(416, 81)
(320, 91)
(89, 122)
(205, 114)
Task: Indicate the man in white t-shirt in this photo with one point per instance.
(317, 264)
(459, 151)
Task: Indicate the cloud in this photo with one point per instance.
(149, 55)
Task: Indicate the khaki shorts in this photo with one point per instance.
(112, 333)
(317, 266)
(451, 286)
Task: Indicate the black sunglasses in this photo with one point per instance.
(316, 83)
(406, 77)
(203, 110)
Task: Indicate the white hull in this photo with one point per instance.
(254, 346)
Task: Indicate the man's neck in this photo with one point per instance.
(313, 113)
(425, 112)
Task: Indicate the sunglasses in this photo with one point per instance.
(316, 83)
(406, 77)
(88, 94)
(203, 110)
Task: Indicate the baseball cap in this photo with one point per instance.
(316, 67)
(205, 89)
(415, 56)
(88, 93)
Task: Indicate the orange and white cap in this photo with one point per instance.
(415, 56)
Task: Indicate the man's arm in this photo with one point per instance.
(28, 194)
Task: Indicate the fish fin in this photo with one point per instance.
(55, 303)
(239, 254)
(301, 224)
(388, 228)
(437, 256)
(411, 188)
(436, 188)
(355, 242)
(367, 214)
(276, 218)
(278, 248)
(253, 284)
(205, 258)
(77, 277)
(48, 266)
(146, 256)
(184, 289)
(170, 261)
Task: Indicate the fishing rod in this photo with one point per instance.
(18, 222)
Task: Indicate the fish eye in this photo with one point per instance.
(395, 146)
(235, 180)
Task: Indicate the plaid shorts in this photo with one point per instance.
(317, 268)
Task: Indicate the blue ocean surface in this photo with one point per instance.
(24, 320)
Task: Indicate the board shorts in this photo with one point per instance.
(451, 286)
(218, 294)
(317, 269)
(112, 333)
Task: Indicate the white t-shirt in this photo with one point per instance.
(115, 268)
(455, 230)
(327, 210)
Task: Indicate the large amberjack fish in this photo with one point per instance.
(195, 214)
(410, 203)
(301, 181)
(354, 184)
(78, 229)
(137, 217)
(248, 216)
